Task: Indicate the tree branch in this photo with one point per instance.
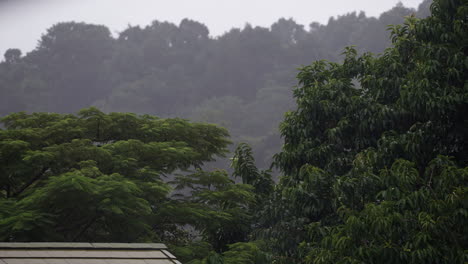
(30, 182)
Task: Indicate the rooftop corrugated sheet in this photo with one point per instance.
(85, 253)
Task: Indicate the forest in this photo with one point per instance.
(241, 80)
(339, 143)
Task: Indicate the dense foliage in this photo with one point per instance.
(375, 156)
(107, 177)
(94, 176)
(374, 162)
(240, 80)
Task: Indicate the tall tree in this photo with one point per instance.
(375, 155)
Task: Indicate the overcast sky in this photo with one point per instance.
(23, 21)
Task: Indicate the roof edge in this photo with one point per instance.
(67, 245)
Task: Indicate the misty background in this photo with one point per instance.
(23, 21)
(183, 58)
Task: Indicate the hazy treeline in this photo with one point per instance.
(241, 80)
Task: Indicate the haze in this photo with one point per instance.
(23, 21)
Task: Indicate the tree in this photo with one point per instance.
(375, 156)
(244, 167)
(12, 55)
(12, 73)
(70, 57)
(94, 176)
(215, 206)
(221, 214)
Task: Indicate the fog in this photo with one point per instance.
(23, 21)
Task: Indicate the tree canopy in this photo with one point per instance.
(375, 156)
(94, 176)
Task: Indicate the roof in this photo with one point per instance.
(85, 253)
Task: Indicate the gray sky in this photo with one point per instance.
(23, 21)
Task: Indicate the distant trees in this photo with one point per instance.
(424, 9)
(70, 57)
(12, 74)
(12, 56)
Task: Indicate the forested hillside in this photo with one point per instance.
(241, 80)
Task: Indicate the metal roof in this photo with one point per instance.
(85, 253)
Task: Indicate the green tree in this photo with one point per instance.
(94, 176)
(244, 167)
(222, 213)
(215, 206)
(375, 156)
